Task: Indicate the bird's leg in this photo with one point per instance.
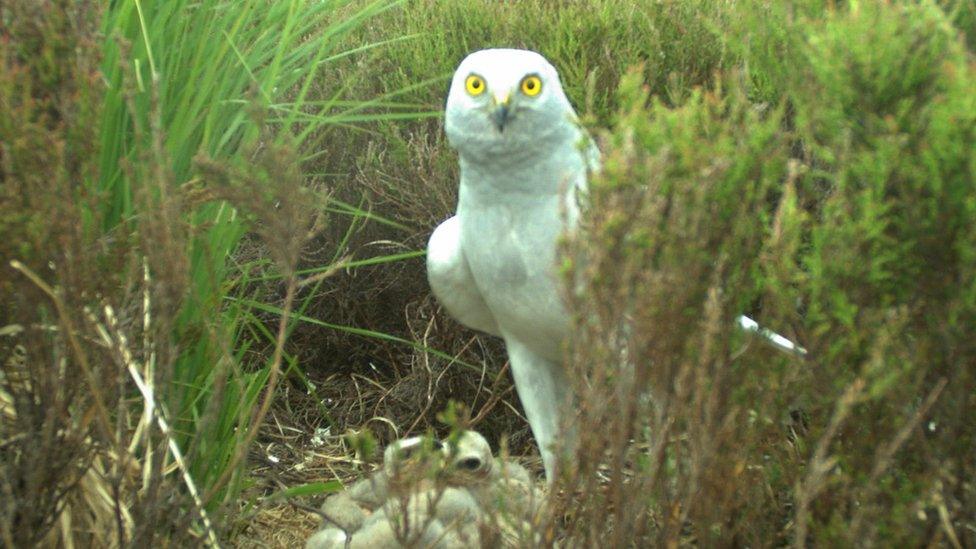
(546, 393)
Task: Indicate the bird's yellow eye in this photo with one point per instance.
(475, 85)
(531, 85)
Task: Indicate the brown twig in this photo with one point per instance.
(495, 395)
(335, 268)
(887, 453)
(820, 464)
(101, 412)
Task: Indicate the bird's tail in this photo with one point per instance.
(770, 337)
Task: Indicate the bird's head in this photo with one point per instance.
(504, 100)
(469, 458)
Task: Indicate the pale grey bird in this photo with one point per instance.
(524, 162)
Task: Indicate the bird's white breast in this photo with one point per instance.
(510, 230)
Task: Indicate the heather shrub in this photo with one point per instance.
(670, 254)
(890, 127)
(838, 212)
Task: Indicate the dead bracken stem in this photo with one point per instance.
(154, 410)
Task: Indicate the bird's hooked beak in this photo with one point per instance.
(502, 112)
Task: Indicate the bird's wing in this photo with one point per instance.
(451, 280)
(592, 156)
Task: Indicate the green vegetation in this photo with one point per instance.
(133, 166)
(840, 210)
(230, 200)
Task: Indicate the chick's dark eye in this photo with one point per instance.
(470, 464)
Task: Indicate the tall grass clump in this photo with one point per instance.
(838, 211)
(141, 141)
